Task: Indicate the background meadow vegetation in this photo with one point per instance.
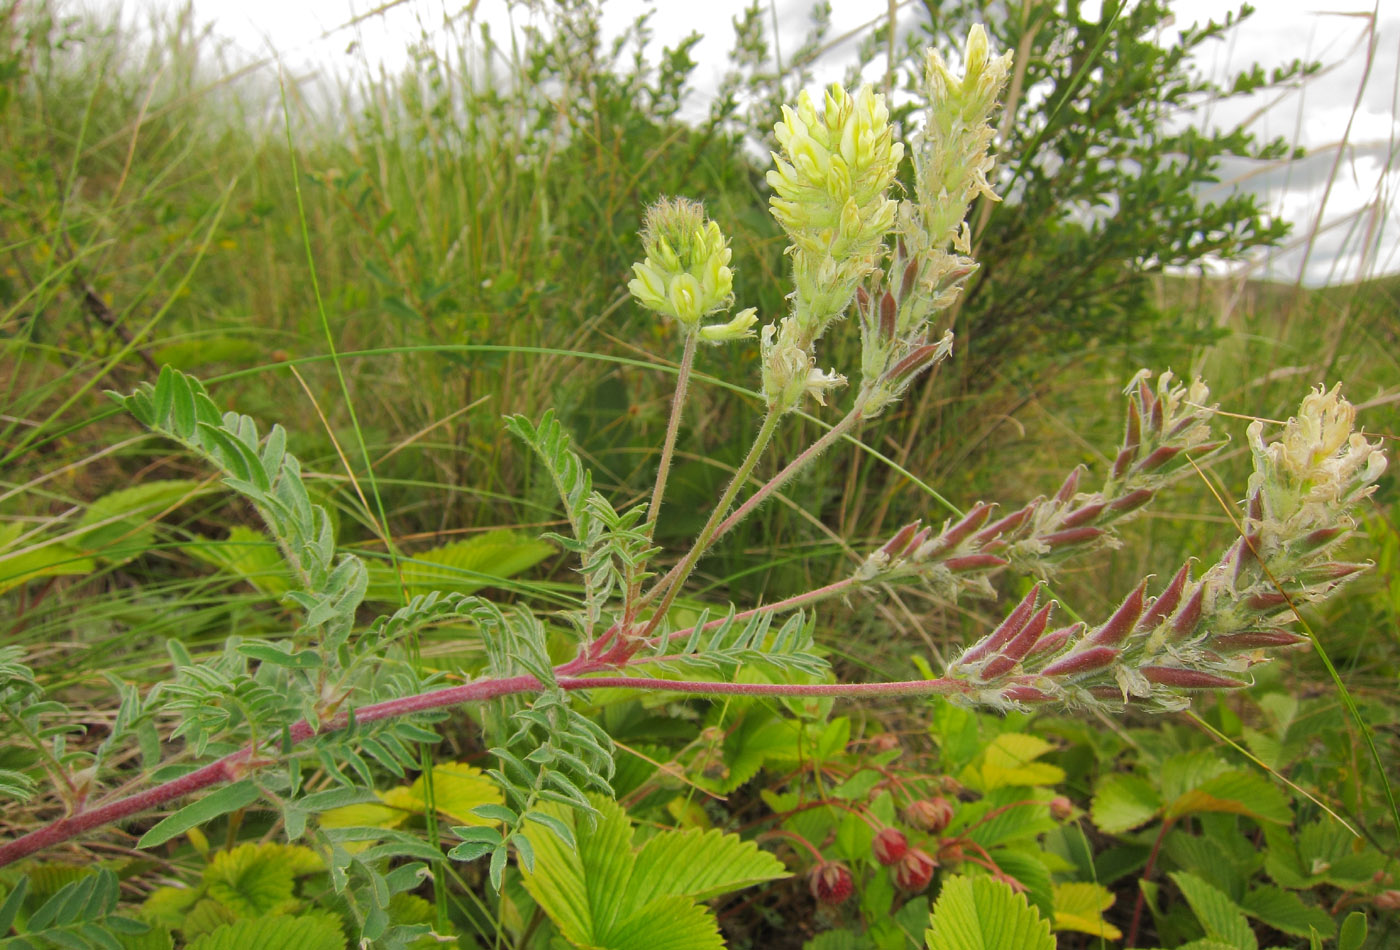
(390, 268)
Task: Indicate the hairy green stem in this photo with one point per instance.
(790, 603)
(670, 585)
(663, 468)
(792, 468)
(668, 447)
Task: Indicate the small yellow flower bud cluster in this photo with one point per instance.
(686, 272)
(789, 372)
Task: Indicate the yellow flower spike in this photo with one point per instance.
(830, 195)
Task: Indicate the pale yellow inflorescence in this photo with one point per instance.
(831, 187)
(686, 273)
(1317, 467)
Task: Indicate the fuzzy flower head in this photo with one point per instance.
(686, 272)
(789, 369)
(830, 195)
(1317, 468)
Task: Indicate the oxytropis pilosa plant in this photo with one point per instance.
(252, 721)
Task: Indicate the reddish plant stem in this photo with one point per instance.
(1147, 876)
(237, 765)
(796, 465)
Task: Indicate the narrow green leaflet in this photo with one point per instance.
(1353, 933)
(231, 798)
(985, 914)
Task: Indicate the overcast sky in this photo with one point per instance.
(1355, 170)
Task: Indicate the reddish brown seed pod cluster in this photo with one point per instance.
(889, 845)
(930, 814)
(914, 870)
(831, 882)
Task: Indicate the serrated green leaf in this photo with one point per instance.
(1221, 917)
(248, 554)
(273, 933)
(668, 923)
(1123, 802)
(462, 567)
(52, 559)
(231, 798)
(1236, 792)
(1079, 906)
(458, 790)
(125, 517)
(250, 880)
(985, 914)
(603, 894)
(700, 865)
(1009, 760)
(1285, 911)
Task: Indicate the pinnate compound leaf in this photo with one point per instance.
(1236, 793)
(227, 799)
(1286, 912)
(274, 933)
(700, 865)
(1221, 917)
(1123, 802)
(985, 914)
(1080, 905)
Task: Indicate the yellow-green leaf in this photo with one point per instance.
(460, 567)
(1009, 760)
(1079, 906)
(34, 558)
